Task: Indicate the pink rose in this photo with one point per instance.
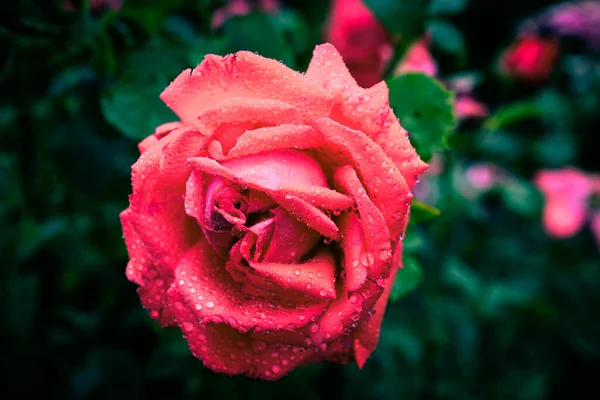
(266, 222)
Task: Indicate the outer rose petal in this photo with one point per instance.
(224, 349)
(155, 219)
(366, 336)
(202, 284)
(242, 75)
(367, 110)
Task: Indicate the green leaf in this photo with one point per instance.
(405, 18)
(445, 36)
(425, 108)
(520, 196)
(135, 109)
(408, 278)
(512, 114)
(447, 6)
(420, 212)
(257, 32)
(132, 104)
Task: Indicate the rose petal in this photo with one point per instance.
(356, 262)
(203, 285)
(243, 75)
(275, 171)
(366, 110)
(264, 112)
(366, 336)
(141, 269)
(384, 183)
(329, 70)
(270, 139)
(147, 143)
(314, 279)
(156, 219)
(377, 254)
(225, 350)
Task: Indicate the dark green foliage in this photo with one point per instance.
(486, 307)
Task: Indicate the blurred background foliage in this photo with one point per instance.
(489, 306)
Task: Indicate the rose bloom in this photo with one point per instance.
(567, 192)
(361, 40)
(266, 223)
(531, 58)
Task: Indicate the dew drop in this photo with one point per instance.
(275, 369)
(314, 328)
(210, 304)
(187, 326)
(259, 346)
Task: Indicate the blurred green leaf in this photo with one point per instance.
(521, 196)
(150, 14)
(447, 6)
(512, 114)
(257, 32)
(420, 212)
(425, 109)
(203, 46)
(445, 36)
(408, 278)
(405, 18)
(132, 104)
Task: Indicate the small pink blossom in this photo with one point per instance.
(467, 107)
(482, 176)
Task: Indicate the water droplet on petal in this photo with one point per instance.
(314, 328)
(210, 304)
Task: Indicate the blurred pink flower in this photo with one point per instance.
(482, 176)
(417, 59)
(467, 107)
(242, 7)
(576, 19)
(530, 58)
(566, 192)
(361, 40)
